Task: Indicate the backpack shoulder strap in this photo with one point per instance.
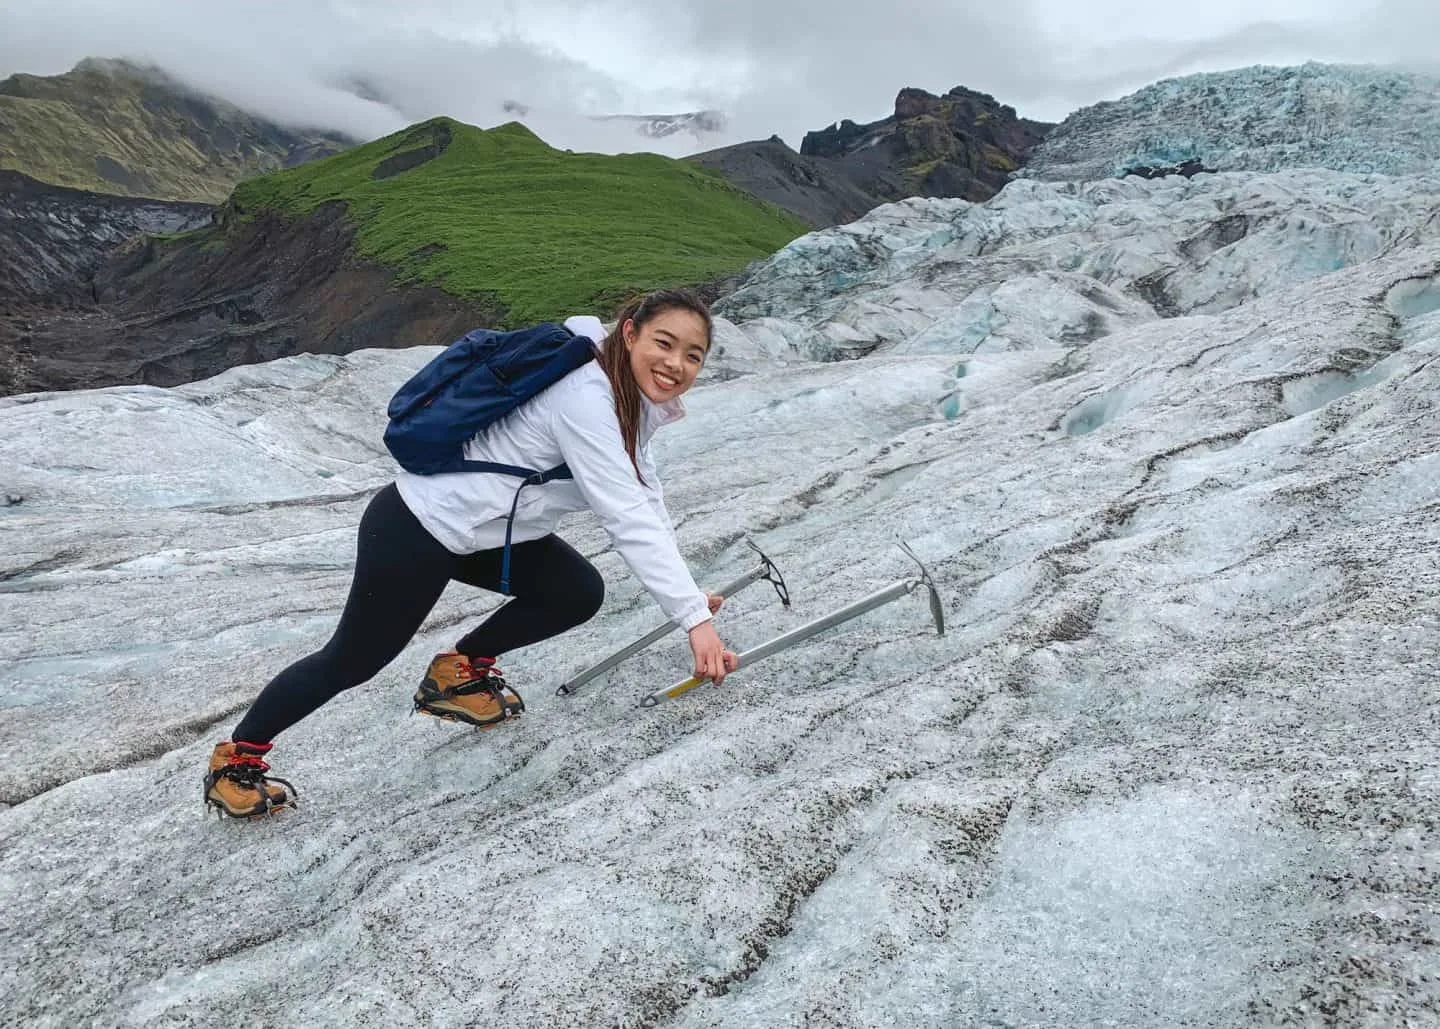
(531, 478)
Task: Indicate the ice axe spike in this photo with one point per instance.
(878, 599)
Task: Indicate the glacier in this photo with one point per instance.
(1169, 448)
(1352, 118)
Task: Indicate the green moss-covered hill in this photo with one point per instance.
(500, 217)
(114, 127)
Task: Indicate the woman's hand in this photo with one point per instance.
(714, 600)
(712, 660)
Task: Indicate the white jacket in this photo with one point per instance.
(573, 422)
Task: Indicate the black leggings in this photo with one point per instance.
(400, 572)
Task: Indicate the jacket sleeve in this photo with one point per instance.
(588, 434)
(656, 493)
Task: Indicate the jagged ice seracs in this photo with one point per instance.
(1356, 118)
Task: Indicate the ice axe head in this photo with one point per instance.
(772, 574)
(937, 612)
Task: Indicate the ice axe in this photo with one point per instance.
(804, 632)
(765, 570)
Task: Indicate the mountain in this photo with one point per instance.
(120, 128)
(412, 239)
(1169, 449)
(1359, 119)
(660, 126)
(812, 188)
(963, 144)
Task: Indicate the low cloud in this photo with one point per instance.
(367, 67)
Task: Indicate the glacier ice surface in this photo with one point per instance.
(1170, 450)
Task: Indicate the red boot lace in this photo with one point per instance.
(484, 677)
(255, 761)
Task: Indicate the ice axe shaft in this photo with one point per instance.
(819, 625)
(764, 570)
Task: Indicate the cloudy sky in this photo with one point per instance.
(780, 67)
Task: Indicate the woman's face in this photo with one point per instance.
(667, 352)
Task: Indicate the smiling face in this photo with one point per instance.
(667, 352)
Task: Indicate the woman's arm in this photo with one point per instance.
(588, 434)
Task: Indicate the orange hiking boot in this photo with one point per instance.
(237, 785)
(460, 689)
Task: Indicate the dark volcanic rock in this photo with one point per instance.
(810, 188)
(963, 144)
(51, 236)
(1189, 169)
(425, 144)
(52, 240)
(836, 141)
(166, 311)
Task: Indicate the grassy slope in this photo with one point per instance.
(52, 141)
(114, 131)
(500, 215)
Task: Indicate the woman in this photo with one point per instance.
(422, 531)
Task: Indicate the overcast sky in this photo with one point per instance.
(773, 66)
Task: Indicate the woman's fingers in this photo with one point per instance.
(726, 661)
(711, 665)
(712, 660)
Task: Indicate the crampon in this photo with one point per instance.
(461, 689)
(236, 784)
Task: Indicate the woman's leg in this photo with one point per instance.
(554, 588)
(400, 572)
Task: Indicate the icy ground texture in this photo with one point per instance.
(1342, 117)
(1176, 762)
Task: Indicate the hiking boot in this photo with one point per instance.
(462, 689)
(238, 786)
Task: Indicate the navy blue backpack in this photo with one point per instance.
(473, 383)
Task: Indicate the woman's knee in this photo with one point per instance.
(568, 584)
(587, 594)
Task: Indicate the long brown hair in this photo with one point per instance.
(615, 357)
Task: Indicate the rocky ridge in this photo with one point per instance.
(963, 144)
(812, 188)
